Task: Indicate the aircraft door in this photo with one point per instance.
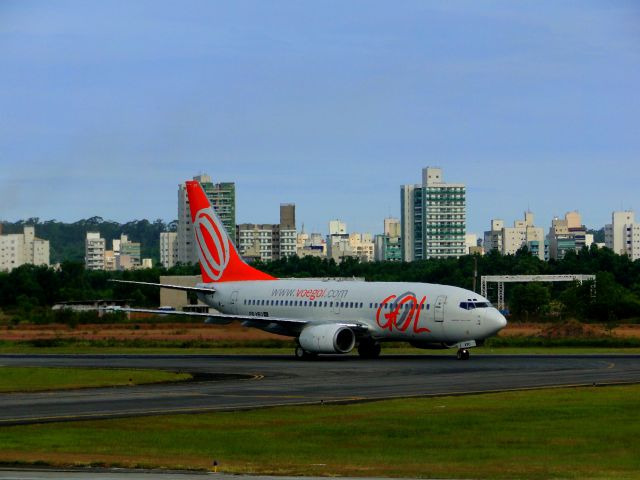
(233, 302)
(438, 308)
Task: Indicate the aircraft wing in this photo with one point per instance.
(163, 285)
(224, 318)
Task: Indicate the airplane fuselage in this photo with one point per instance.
(392, 311)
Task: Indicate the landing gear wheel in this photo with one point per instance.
(463, 354)
(369, 349)
(302, 354)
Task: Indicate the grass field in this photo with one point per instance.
(30, 379)
(558, 433)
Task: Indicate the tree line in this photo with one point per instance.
(617, 285)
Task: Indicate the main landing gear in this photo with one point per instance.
(302, 354)
(369, 349)
(463, 354)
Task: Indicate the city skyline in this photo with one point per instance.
(334, 107)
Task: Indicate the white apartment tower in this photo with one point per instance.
(622, 235)
(94, 248)
(23, 248)
(168, 249)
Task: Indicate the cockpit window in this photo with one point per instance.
(472, 305)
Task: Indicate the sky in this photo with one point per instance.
(105, 107)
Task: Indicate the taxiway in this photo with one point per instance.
(234, 382)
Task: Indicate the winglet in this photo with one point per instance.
(219, 259)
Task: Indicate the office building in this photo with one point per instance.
(94, 249)
(433, 217)
(22, 248)
(168, 249)
(622, 235)
(223, 199)
(567, 234)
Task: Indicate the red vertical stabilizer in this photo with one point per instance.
(219, 259)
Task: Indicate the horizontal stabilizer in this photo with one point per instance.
(174, 287)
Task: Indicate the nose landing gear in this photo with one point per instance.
(463, 354)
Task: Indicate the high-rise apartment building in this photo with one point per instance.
(94, 249)
(269, 241)
(23, 248)
(433, 217)
(622, 235)
(223, 199)
(567, 234)
(168, 249)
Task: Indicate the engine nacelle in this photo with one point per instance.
(327, 338)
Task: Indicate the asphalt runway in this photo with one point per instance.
(234, 382)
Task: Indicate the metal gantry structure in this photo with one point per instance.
(502, 279)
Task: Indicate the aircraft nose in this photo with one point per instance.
(496, 320)
(499, 319)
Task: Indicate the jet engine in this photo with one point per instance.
(327, 338)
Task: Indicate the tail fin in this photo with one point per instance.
(219, 259)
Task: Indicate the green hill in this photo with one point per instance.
(66, 240)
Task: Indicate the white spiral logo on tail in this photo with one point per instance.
(212, 241)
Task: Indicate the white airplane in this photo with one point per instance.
(329, 316)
